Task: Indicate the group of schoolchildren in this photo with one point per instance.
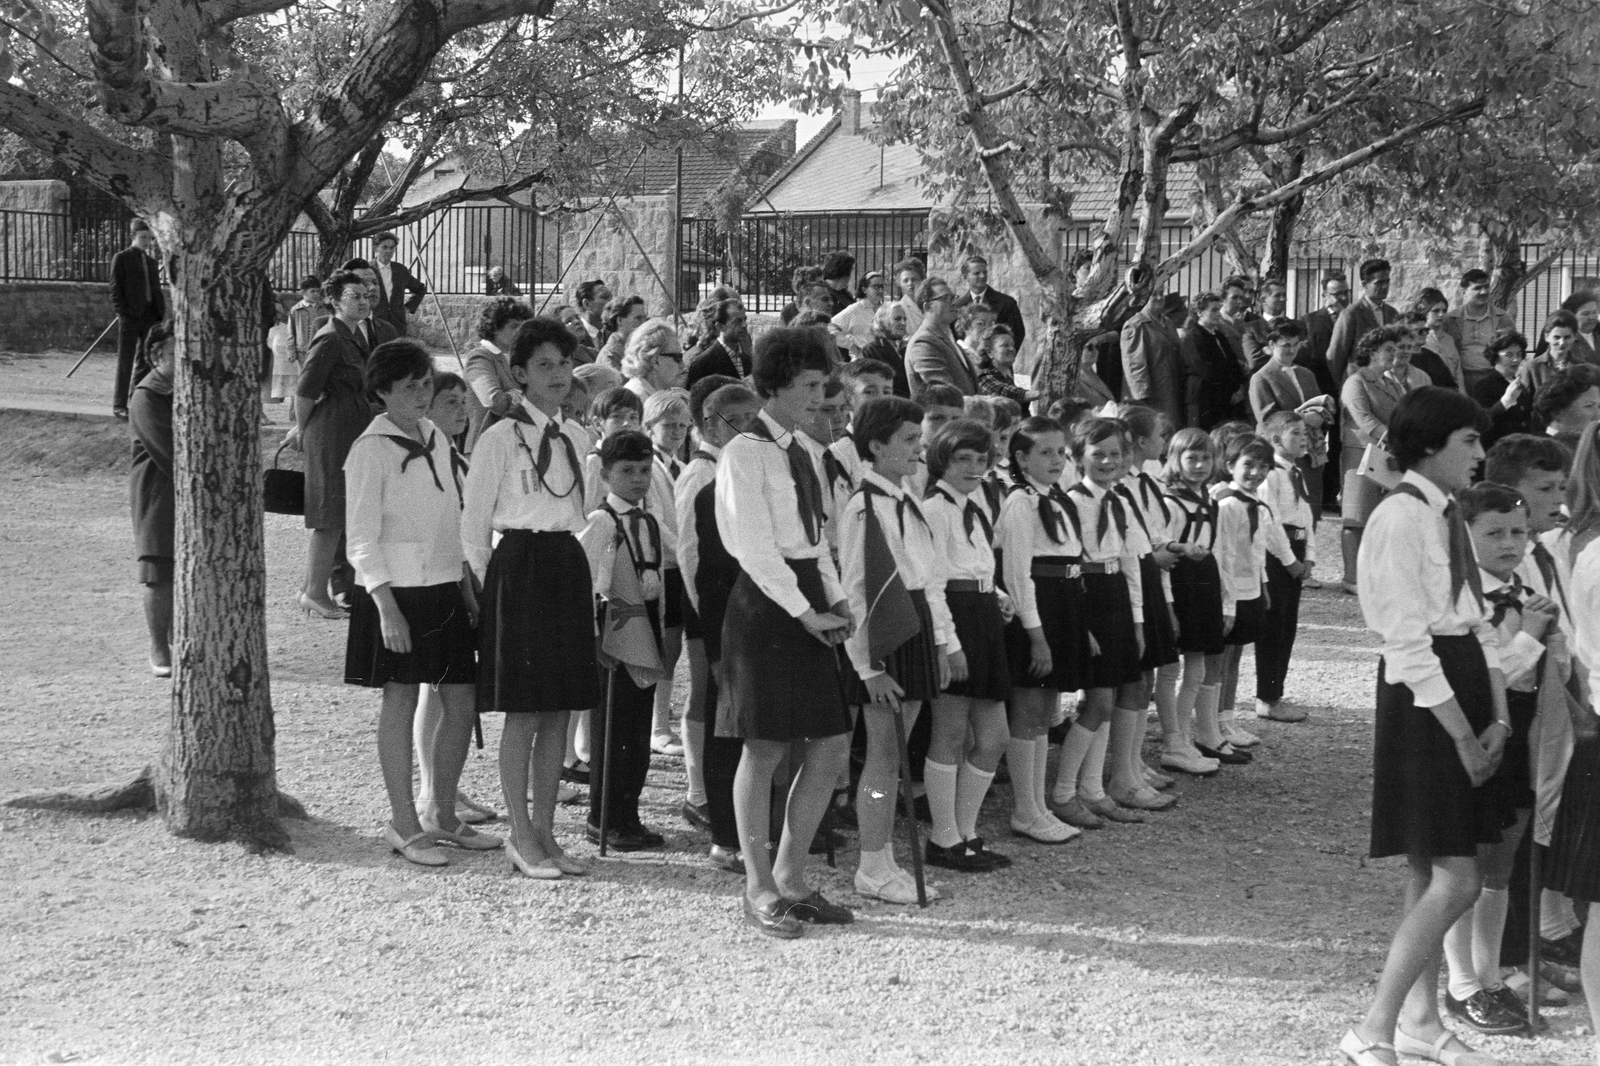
(1042, 563)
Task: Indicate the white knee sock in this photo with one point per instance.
(1127, 735)
(1188, 693)
(1019, 761)
(1074, 751)
(1041, 772)
(1458, 958)
(1167, 700)
(1091, 779)
(694, 749)
(1556, 916)
(972, 785)
(1488, 930)
(1206, 731)
(941, 781)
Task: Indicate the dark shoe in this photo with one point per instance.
(773, 920)
(697, 815)
(119, 413)
(997, 861)
(653, 841)
(1564, 952)
(577, 773)
(1485, 1013)
(1227, 755)
(817, 909)
(618, 839)
(1563, 977)
(1511, 1002)
(957, 857)
(728, 861)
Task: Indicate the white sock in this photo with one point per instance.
(1019, 760)
(1188, 693)
(1556, 916)
(972, 785)
(1207, 732)
(694, 748)
(1488, 930)
(1091, 779)
(1074, 751)
(1167, 701)
(941, 781)
(1127, 734)
(1458, 958)
(1041, 773)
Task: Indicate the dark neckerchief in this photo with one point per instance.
(541, 462)
(807, 486)
(1111, 511)
(1463, 561)
(648, 521)
(1252, 506)
(902, 504)
(417, 450)
(972, 516)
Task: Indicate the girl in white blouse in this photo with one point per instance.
(958, 775)
(893, 681)
(1441, 719)
(413, 610)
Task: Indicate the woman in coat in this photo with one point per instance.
(1216, 390)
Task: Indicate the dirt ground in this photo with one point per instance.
(1243, 927)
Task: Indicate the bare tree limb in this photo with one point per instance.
(371, 224)
(749, 16)
(221, 12)
(1252, 135)
(990, 99)
(129, 173)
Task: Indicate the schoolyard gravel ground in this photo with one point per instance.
(1243, 927)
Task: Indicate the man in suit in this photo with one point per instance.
(1274, 301)
(1152, 362)
(1365, 314)
(591, 298)
(1319, 329)
(136, 297)
(1238, 296)
(932, 355)
(975, 272)
(394, 282)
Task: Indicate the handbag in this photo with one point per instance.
(283, 491)
(1377, 463)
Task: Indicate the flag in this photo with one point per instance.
(891, 617)
(626, 638)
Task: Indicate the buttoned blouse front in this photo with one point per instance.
(1403, 573)
(913, 554)
(758, 516)
(402, 514)
(1023, 539)
(505, 490)
(1087, 498)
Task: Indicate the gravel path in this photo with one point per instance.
(1243, 927)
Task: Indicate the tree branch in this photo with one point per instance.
(1251, 135)
(990, 99)
(749, 16)
(221, 12)
(134, 175)
(370, 223)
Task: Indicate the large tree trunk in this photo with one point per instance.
(333, 250)
(1280, 235)
(1501, 252)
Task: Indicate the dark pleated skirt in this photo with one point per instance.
(1197, 601)
(673, 601)
(982, 633)
(1160, 640)
(444, 649)
(913, 665)
(536, 646)
(1109, 612)
(1573, 864)
(1061, 615)
(782, 683)
(1511, 787)
(1246, 623)
(1422, 801)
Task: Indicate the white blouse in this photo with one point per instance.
(1087, 497)
(402, 514)
(1241, 555)
(504, 490)
(599, 540)
(913, 556)
(701, 471)
(1403, 573)
(1583, 596)
(1023, 539)
(1278, 493)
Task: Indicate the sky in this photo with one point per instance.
(866, 74)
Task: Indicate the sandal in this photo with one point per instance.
(1362, 1052)
(1436, 1051)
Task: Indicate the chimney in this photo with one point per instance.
(850, 111)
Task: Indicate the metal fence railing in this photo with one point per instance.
(759, 257)
(72, 245)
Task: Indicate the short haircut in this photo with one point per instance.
(938, 394)
(1579, 300)
(1097, 431)
(384, 238)
(928, 291)
(1278, 423)
(1273, 283)
(1238, 281)
(1373, 339)
(596, 378)
(866, 283)
(804, 276)
(1518, 455)
(978, 409)
(971, 261)
(1333, 275)
(810, 319)
(356, 264)
(968, 313)
(783, 354)
(1201, 302)
(1487, 497)
(996, 334)
(1558, 319)
(1287, 330)
(1141, 421)
(1248, 446)
(1428, 299)
(536, 332)
(1007, 412)
(586, 290)
(1026, 436)
(1506, 338)
(499, 313)
(1068, 410)
(139, 225)
(1564, 389)
(444, 380)
(958, 434)
(1424, 420)
(912, 264)
(648, 343)
(879, 419)
(665, 402)
(395, 361)
(857, 369)
(1371, 268)
(628, 446)
(310, 281)
(609, 402)
(722, 312)
(1475, 277)
(724, 397)
(337, 282)
(703, 389)
(883, 317)
(617, 310)
(836, 265)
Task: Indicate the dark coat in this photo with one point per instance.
(1357, 320)
(150, 488)
(136, 287)
(891, 352)
(1518, 418)
(713, 358)
(1006, 311)
(1215, 376)
(1152, 365)
(1314, 356)
(392, 307)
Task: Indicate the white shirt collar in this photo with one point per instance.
(780, 436)
(621, 506)
(957, 495)
(883, 483)
(1436, 497)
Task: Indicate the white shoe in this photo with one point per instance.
(1158, 781)
(1189, 762)
(1046, 829)
(1239, 738)
(897, 887)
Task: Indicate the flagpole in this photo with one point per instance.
(911, 803)
(605, 762)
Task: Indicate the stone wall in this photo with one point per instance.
(612, 255)
(34, 195)
(51, 315)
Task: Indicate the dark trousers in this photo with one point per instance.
(131, 361)
(632, 709)
(1315, 489)
(1331, 481)
(1278, 624)
(718, 766)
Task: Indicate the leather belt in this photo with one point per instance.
(967, 584)
(1112, 566)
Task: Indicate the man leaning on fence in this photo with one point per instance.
(136, 297)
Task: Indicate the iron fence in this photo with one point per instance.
(759, 256)
(72, 245)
